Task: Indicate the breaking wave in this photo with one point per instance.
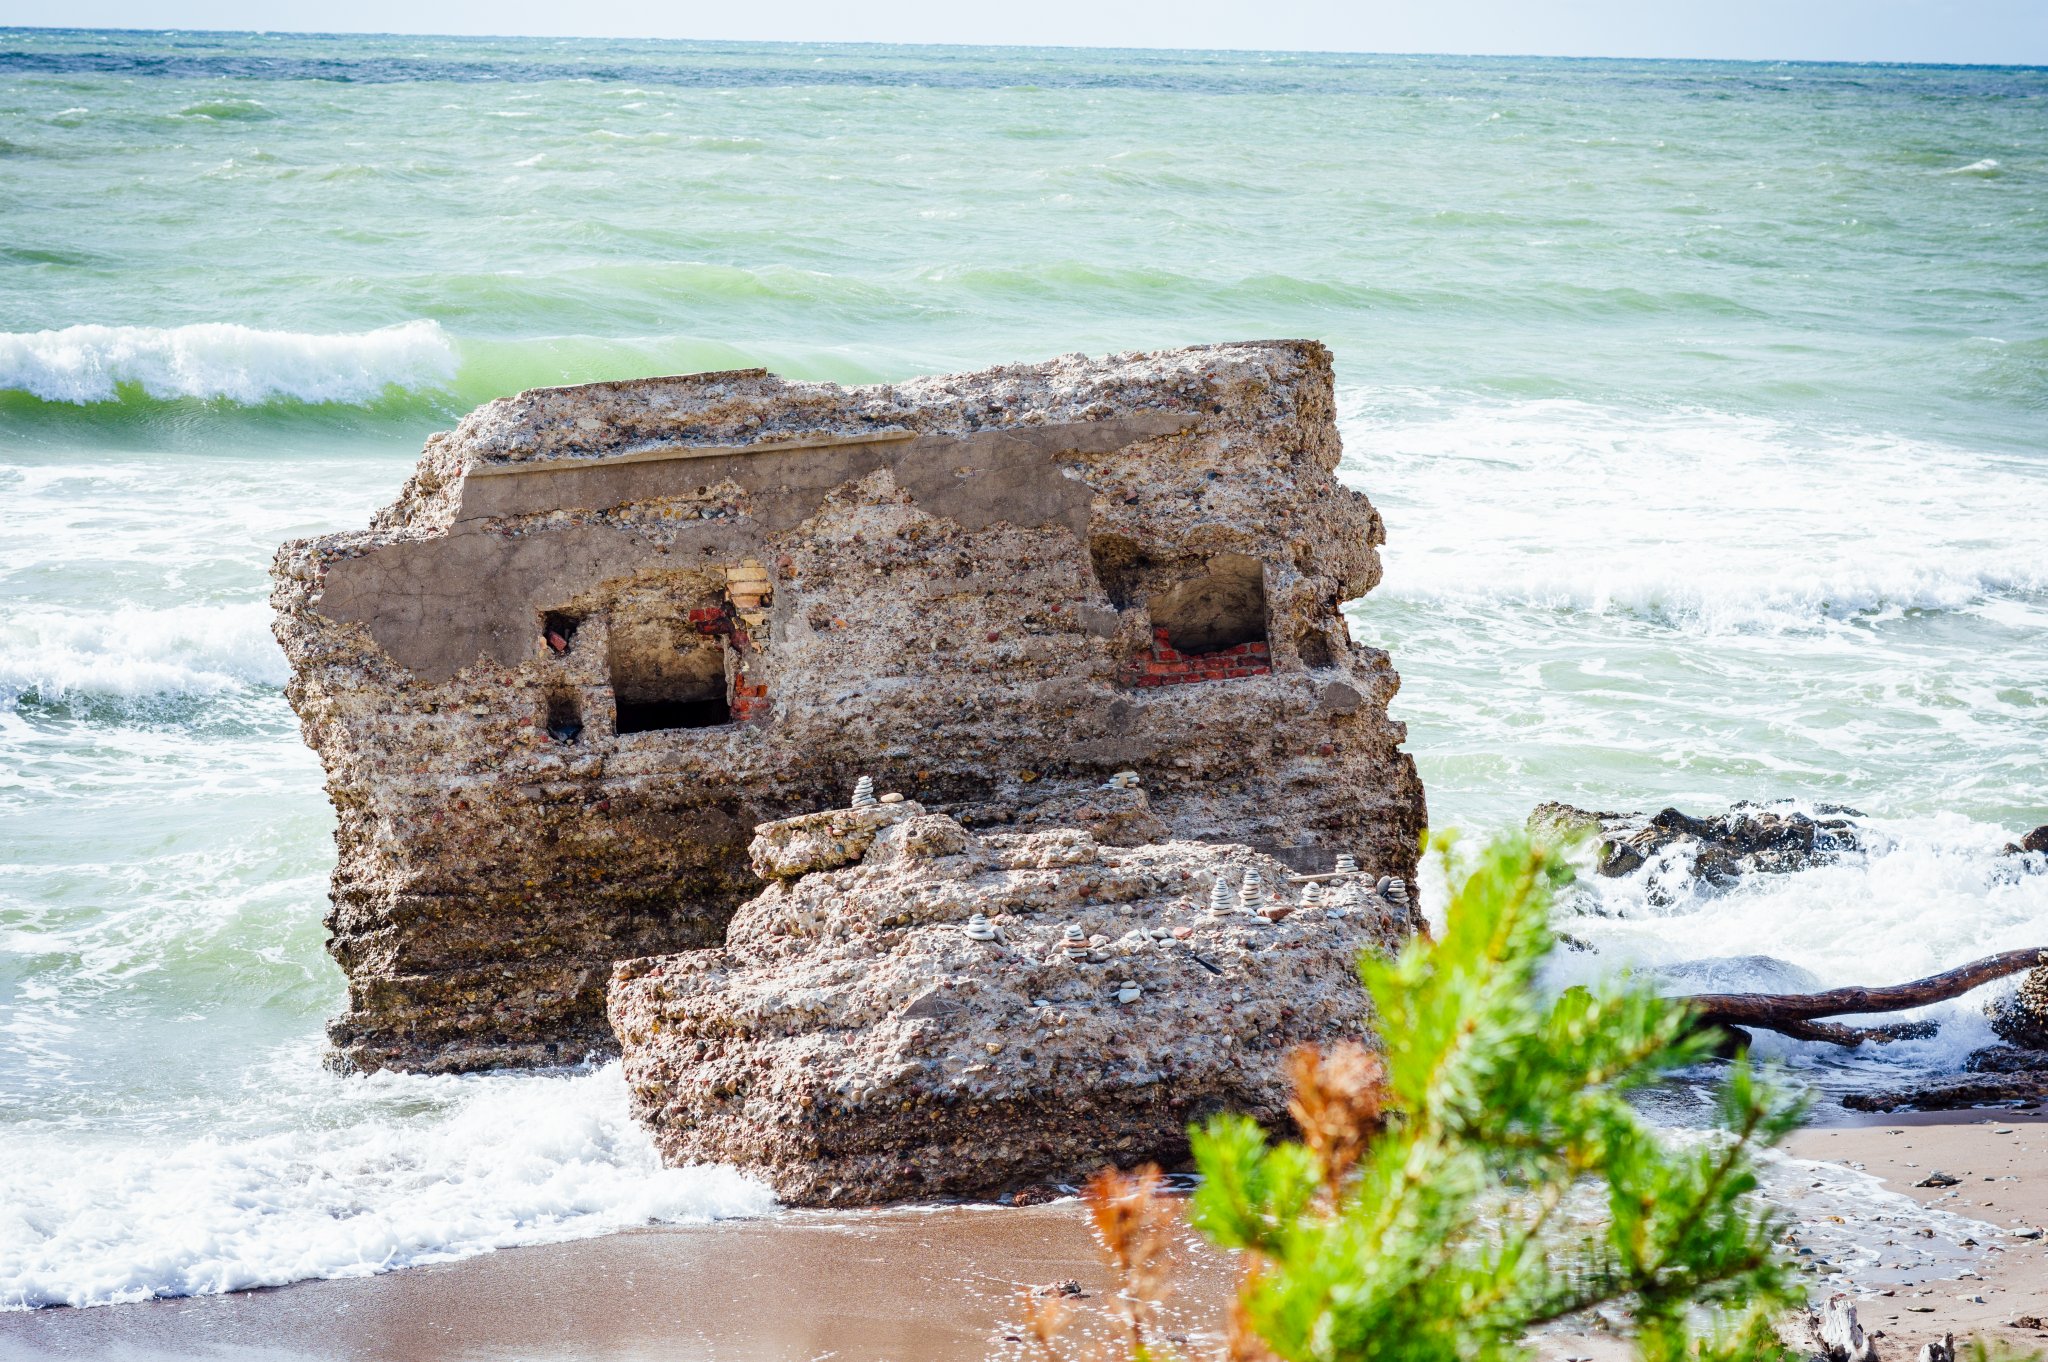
(1927, 894)
(375, 1174)
(225, 362)
(1704, 521)
(129, 653)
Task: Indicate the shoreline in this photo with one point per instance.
(915, 1283)
(2000, 1160)
(921, 1284)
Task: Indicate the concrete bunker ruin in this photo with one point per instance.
(607, 630)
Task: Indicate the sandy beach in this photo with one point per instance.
(915, 1284)
(907, 1284)
(2000, 1159)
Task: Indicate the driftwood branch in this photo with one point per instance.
(1797, 1014)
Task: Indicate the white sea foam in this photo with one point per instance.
(377, 1174)
(1929, 894)
(1710, 522)
(130, 653)
(1875, 1239)
(83, 364)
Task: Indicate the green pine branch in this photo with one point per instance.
(1511, 1185)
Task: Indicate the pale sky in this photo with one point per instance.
(1992, 31)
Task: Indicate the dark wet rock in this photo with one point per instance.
(1951, 1094)
(2037, 840)
(1997, 1073)
(2008, 1059)
(1768, 839)
(2021, 1016)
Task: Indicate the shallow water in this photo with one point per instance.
(1704, 403)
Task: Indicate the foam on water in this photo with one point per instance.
(1929, 894)
(81, 364)
(1875, 1239)
(1633, 607)
(133, 653)
(1713, 522)
(365, 1176)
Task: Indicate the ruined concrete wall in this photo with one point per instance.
(607, 630)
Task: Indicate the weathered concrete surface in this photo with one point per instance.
(989, 590)
(822, 841)
(853, 1044)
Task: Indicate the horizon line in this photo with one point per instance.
(1015, 46)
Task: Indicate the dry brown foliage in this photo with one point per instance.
(1134, 1222)
(1044, 1318)
(1339, 1104)
(1241, 1342)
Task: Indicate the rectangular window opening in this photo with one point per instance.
(664, 672)
(644, 716)
(558, 631)
(564, 716)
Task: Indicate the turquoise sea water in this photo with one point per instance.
(1707, 405)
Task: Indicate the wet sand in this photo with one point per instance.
(925, 1285)
(909, 1285)
(2000, 1159)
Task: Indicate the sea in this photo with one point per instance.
(1706, 404)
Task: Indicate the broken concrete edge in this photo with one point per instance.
(864, 1037)
(755, 410)
(790, 847)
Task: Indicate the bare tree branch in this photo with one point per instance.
(1795, 1014)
